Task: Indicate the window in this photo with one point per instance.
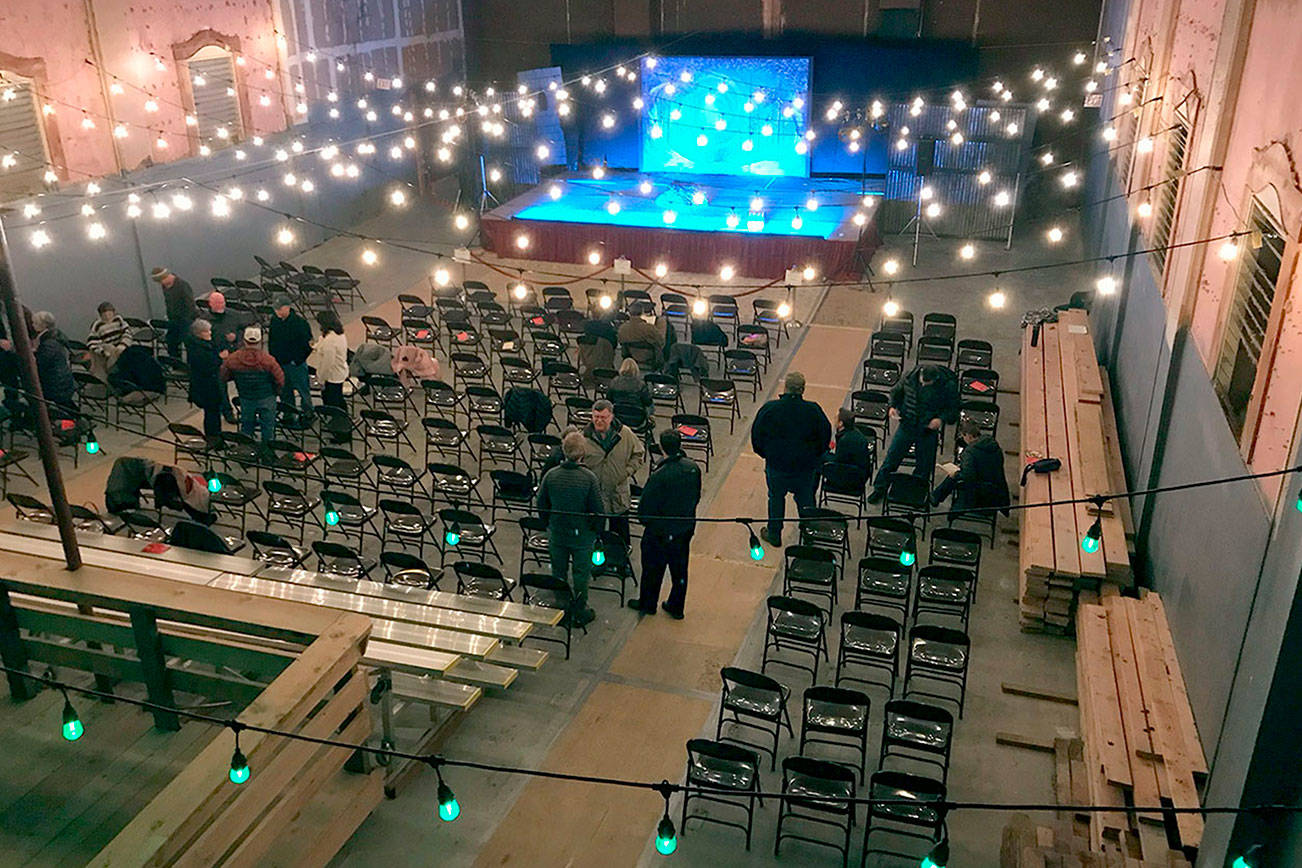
(1168, 193)
(216, 96)
(23, 155)
(1248, 319)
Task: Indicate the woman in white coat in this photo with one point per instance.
(330, 358)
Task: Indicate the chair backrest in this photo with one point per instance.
(881, 372)
(281, 489)
(896, 789)
(871, 621)
(884, 567)
(793, 606)
(807, 774)
(192, 535)
(939, 635)
(394, 561)
(734, 677)
(888, 535)
(975, 353)
(398, 507)
(265, 542)
(955, 546)
(854, 702)
(333, 498)
(741, 763)
(812, 554)
(887, 345)
(979, 383)
(329, 550)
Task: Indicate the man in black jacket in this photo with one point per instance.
(290, 343)
(569, 500)
(52, 367)
(178, 299)
(671, 495)
(852, 448)
(921, 404)
(980, 481)
(791, 435)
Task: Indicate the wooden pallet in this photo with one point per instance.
(1066, 414)
(1140, 744)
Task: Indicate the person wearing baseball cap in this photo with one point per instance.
(289, 340)
(178, 299)
(258, 380)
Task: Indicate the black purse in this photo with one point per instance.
(1041, 465)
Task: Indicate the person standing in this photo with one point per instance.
(791, 435)
(569, 500)
(922, 404)
(979, 482)
(667, 510)
(178, 299)
(330, 358)
(109, 336)
(227, 325)
(207, 391)
(258, 380)
(614, 453)
(290, 343)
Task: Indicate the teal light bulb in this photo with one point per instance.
(332, 517)
(907, 557)
(72, 727)
(757, 553)
(1298, 504)
(239, 767)
(453, 535)
(927, 863)
(92, 446)
(449, 807)
(666, 837)
(214, 485)
(598, 557)
(1090, 544)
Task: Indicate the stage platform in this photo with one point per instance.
(693, 223)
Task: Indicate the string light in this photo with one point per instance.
(661, 269)
(891, 266)
(1144, 210)
(285, 236)
(1228, 250)
(452, 536)
(1093, 538)
(890, 307)
(666, 835)
(909, 552)
(398, 198)
(967, 251)
(369, 256)
(938, 856)
(727, 272)
(72, 725)
(997, 299)
(239, 772)
(1106, 285)
(598, 553)
(1054, 234)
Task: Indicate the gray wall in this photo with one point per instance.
(74, 274)
(1225, 563)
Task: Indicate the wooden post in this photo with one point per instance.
(149, 647)
(44, 433)
(12, 651)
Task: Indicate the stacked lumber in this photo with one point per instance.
(1141, 747)
(1066, 414)
(1027, 844)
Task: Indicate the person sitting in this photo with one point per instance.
(53, 368)
(109, 335)
(851, 446)
(628, 389)
(979, 482)
(644, 337)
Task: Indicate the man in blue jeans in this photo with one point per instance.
(258, 380)
(922, 404)
(289, 341)
(791, 435)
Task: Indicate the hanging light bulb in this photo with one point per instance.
(461, 221)
(1250, 859)
(938, 856)
(449, 807)
(520, 291)
(285, 236)
(1144, 145)
(452, 536)
(594, 258)
(72, 726)
(727, 272)
(598, 553)
(96, 231)
(699, 307)
(669, 216)
(214, 484)
(1002, 199)
(967, 251)
(1093, 537)
(909, 553)
(645, 187)
(890, 308)
(1229, 249)
(666, 834)
(1054, 234)
(661, 269)
(239, 772)
(369, 257)
(92, 444)
(732, 220)
(997, 299)
(891, 266)
(1106, 285)
(797, 221)
(784, 310)
(613, 207)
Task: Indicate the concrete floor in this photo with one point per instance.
(633, 692)
(627, 700)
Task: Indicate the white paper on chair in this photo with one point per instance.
(949, 468)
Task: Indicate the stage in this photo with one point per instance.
(760, 225)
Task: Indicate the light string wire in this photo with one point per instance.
(662, 786)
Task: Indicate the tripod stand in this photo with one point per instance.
(919, 222)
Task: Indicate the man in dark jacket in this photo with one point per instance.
(258, 379)
(791, 435)
(178, 299)
(980, 481)
(670, 496)
(921, 404)
(852, 448)
(53, 368)
(207, 391)
(570, 502)
(290, 343)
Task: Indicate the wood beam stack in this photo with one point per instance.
(1066, 414)
(1141, 746)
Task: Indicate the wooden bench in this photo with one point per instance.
(1065, 412)
(1141, 743)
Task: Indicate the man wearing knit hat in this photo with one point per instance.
(178, 298)
(258, 379)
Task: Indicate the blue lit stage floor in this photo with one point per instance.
(693, 223)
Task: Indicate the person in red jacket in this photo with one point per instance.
(258, 380)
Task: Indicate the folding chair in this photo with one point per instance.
(870, 641)
(544, 589)
(900, 325)
(730, 773)
(917, 733)
(880, 373)
(407, 570)
(405, 523)
(794, 626)
(452, 484)
(464, 531)
(720, 394)
(288, 504)
(337, 559)
(753, 700)
(444, 437)
(396, 476)
(742, 366)
(817, 792)
(937, 658)
(273, 550)
(903, 806)
(974, 354)
(380, 427)
(838, 717)
(695, 433)
(475, 579)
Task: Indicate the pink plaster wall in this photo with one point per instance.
(58, 33)
(1264, 146)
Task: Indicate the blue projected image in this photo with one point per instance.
(725, 115)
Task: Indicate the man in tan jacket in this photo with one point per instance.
(615, 454)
